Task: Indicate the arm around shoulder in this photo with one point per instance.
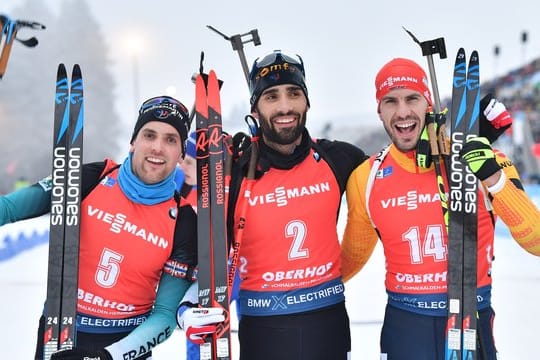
(360, 237)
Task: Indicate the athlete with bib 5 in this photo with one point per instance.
(136, 235)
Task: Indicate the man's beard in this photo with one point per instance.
(283, 136)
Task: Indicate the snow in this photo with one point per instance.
(516, 295)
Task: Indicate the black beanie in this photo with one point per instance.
(274, 69)
(165, 109)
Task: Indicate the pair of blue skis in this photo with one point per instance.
(461, 331)
(62, 279)
(460, 208)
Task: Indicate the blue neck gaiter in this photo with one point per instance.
(141, 193)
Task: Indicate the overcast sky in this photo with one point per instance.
(343, 44)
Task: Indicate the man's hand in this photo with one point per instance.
(78, 354)
(198, 322)
(494, 118)
(479, 156)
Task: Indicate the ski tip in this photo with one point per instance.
(201, 102)
(213, 91)
(61, 73)
(200, 84)
(213, 79)
(76, 72)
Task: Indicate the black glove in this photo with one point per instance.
(241, 142)
(478, 154)
(80, 354)
(494, 118)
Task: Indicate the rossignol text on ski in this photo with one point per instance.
(212, 242)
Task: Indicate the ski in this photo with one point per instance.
(205, 268)
(72, 209)
(218, 226)
(212, 244)
(62, 278)
(461, 333)
(470, 231)
(56, 232)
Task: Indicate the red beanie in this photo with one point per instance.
(401, 73)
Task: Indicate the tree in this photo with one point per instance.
(84, 43)
(27, 91)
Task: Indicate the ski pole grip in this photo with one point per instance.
(238, 45)
(429, 48)
(255, 37)
(30, 24)
(435, 46)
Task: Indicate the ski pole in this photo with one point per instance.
(437, 145)
(238, 45)
(429, 48)
(250, 178)
(30, 42)
(10, 28)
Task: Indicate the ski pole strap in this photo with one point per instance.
(442, 136)
(431, 127)
(432, 124)
(427, 142)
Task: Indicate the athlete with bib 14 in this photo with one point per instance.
(395, 198)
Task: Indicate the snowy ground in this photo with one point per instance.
(516, 296)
